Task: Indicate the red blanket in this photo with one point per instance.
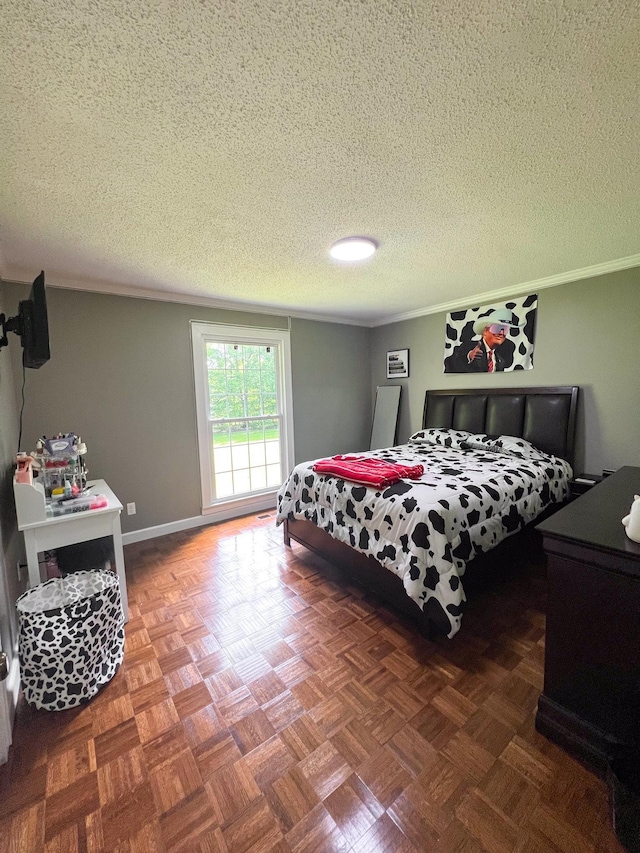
(366, 470)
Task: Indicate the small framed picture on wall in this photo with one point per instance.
(398, 364)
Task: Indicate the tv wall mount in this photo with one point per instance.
(11, 324)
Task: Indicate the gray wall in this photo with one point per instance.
(121, 376)
(331, 400)
(587, 335)
(10, 540)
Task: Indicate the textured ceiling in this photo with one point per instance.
(216, 149)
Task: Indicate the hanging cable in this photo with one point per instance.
(24, 379)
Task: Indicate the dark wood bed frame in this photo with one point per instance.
(545, 416)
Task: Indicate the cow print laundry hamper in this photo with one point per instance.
(71, 638)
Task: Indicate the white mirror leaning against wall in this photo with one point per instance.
(385, 416)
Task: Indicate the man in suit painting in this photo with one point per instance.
(492, 353)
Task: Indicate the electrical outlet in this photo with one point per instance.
(131, 509)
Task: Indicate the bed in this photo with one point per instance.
(494, 460)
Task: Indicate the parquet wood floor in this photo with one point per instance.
(262, 708)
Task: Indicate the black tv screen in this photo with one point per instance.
(35, 325)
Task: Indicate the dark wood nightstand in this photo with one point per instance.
(582, 483)
(590, 704)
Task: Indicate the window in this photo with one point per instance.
(243, 400)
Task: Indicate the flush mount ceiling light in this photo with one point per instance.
(353, 248)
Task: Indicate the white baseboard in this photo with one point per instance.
(13, 684)
(9, 701)
(212, 516)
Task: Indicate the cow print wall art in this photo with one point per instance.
(491, 339)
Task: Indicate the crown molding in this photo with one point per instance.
(516, 289)
(113, 289)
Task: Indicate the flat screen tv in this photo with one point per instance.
(31, 325)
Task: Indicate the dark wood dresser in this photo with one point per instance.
(590, 704)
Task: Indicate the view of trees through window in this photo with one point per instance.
(244, 417)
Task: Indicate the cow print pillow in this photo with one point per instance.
(441, 437)
(508, 444)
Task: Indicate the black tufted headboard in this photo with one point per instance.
(544, 416)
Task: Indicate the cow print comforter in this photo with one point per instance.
(426, 530)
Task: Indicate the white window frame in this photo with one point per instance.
(201, 334)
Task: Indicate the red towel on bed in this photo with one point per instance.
(366, 470)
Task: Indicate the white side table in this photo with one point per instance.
(60, 530)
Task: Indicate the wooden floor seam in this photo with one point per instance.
(265, 705)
